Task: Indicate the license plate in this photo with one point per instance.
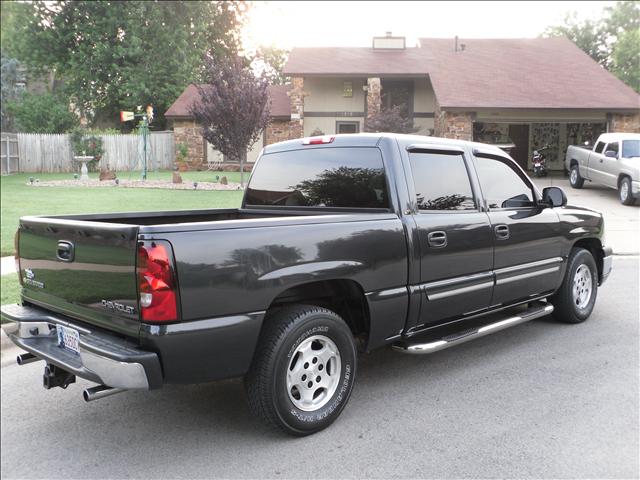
(68, 338)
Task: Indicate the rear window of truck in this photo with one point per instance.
(320, 177)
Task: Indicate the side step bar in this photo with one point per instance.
(540, 310)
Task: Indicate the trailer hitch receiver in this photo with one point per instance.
(56, 377)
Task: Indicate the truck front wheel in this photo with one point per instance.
(576, 297)
(575, 179)
(624, 191)
(303, 370)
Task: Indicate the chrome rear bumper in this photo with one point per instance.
(103, 358)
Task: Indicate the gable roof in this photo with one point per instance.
(490, 73)
(355, 61)
(522, 73)
(280, 104)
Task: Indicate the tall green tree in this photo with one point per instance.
(114, 55)
(611, 40)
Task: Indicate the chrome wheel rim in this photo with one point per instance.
(574, 176)
(582, 286)
(313, 373)
(624, 191)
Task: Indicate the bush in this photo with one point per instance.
(45, 113)
(86, 142)
(391, 120)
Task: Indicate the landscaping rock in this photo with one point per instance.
(224, 180)
(107, 175)
(176, 178)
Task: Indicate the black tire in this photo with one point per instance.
(266, 382)
(624, 192)
(567, 308)
(575, 180)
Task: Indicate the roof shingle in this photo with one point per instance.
(280, 105)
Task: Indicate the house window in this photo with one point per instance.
(347, 127)
(347, 89)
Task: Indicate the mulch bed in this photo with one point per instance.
(122, 183)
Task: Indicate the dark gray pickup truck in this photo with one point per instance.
(342, 243)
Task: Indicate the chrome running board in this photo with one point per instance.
(540, 310)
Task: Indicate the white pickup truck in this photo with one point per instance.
(614, 161)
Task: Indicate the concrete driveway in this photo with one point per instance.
(622, 223)
(541, 400)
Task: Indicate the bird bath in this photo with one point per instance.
(84, 172)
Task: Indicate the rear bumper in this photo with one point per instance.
(607, 264)
(103, 358)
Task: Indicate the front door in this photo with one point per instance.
(519, 135)
(456, 243)
(527, 239)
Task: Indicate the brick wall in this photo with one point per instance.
(281, 130)
(190, 133)
(458, 125)
(629, 123)
(296, 95)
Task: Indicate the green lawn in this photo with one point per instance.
(18, 199)
(10, 288)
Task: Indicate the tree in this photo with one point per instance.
(234, 106)
(46, 113)
(10, 91)
(272, 60)
(116, 55)
(392, 120)
(626, 59)
(612, 40)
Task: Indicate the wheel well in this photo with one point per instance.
(345, 297)
(620, 177)
(595, 247)
(573, 162)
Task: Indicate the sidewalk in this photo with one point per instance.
(8, 265)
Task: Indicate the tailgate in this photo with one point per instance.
(86, 270)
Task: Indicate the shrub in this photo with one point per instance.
(86, 142)
(45, 113)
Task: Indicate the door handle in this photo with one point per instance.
(65, 251)
(437, 239)
(501, 231)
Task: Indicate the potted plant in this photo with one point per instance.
(182, 151)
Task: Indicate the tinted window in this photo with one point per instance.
(599, 147)
(320, 177)
(501, 186)
(441, 182)
(630, 148)
(612, 147)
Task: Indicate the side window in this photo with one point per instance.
(501, 185)
(613, 147)
(599, 147)
(441, 182)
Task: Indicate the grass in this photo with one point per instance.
(18, 199)
(9, 288)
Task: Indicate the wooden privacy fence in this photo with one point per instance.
(9, 146)
(49, 153)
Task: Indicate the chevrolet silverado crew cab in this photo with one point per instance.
(342, 243)
(614, 161)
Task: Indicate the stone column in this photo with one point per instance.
(374, 90)
(296, 96)
(624, 123)
(188, 132)
(458, 125)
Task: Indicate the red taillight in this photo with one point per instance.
(157, 288)
(318, 140)
(16, 254)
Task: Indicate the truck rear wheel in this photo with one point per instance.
(575, 179)
(576, 297)
(303, 371)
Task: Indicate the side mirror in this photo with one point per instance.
(554, 197)
(611, 154)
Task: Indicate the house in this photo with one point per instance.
(186, 130)
(525, 92)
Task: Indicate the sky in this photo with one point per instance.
(353, 24)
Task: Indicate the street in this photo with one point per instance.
(539, 400)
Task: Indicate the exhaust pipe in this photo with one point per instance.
(25, 358)
(101, 391)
